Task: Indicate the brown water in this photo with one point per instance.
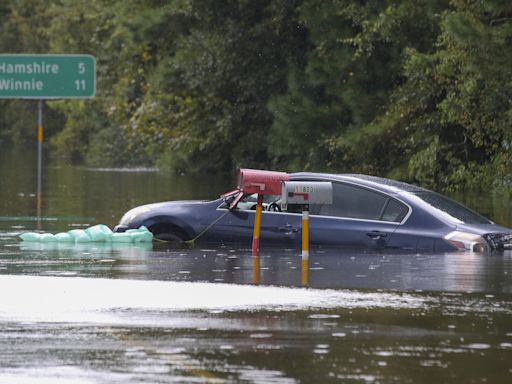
(156, 314)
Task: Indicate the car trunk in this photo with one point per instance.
(496, 236)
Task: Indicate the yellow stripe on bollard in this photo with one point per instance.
(305, 272)
(256, 270)
(257, 227)
(305, 233)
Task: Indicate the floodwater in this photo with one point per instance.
(154, 313)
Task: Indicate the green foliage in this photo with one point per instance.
(416, 90)
(217, 81)
(455, 104)
(83, 122)
(354, 61)
(22, 25)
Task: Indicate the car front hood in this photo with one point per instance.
(167, 204)
(166, 207)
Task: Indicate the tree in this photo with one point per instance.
(352, 64)
(214, 83)
(22, 30)
(413, 90)
(455, 107)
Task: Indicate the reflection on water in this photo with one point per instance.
(83, 196)
(327, 268)
(60, 299)
(206, 314)
(139, 313)
(111, 330)
(256, 270)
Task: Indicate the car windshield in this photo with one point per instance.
(452, 208)
(248, 202)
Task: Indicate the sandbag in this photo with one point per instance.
(99, 232)
(47, 238)
(64, 237)
(30, 236)
(80, 236)
(96, 233)
(123, 237)
(142, 235)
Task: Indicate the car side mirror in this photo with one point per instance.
(228, 200)
(232, 199)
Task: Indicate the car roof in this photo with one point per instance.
(378, 183)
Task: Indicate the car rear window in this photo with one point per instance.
(452, 208)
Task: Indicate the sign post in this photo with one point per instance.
(42, 77)
(39, 156)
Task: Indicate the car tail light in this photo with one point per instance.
(465, 241)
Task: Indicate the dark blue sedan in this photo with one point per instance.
(367, 212)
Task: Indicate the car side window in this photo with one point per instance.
(248, 203)
(359, 203)
(394, 211)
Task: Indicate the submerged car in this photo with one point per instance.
(366, 212)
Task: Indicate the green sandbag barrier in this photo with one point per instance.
(94, 234)
(100, 232)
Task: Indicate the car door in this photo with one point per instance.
(237, 225)
(359, 217)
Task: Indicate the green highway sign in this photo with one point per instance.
(47, 76)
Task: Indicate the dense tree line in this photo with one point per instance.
(416, 90)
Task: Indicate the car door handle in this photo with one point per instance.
(376, 235)
(288, 228)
